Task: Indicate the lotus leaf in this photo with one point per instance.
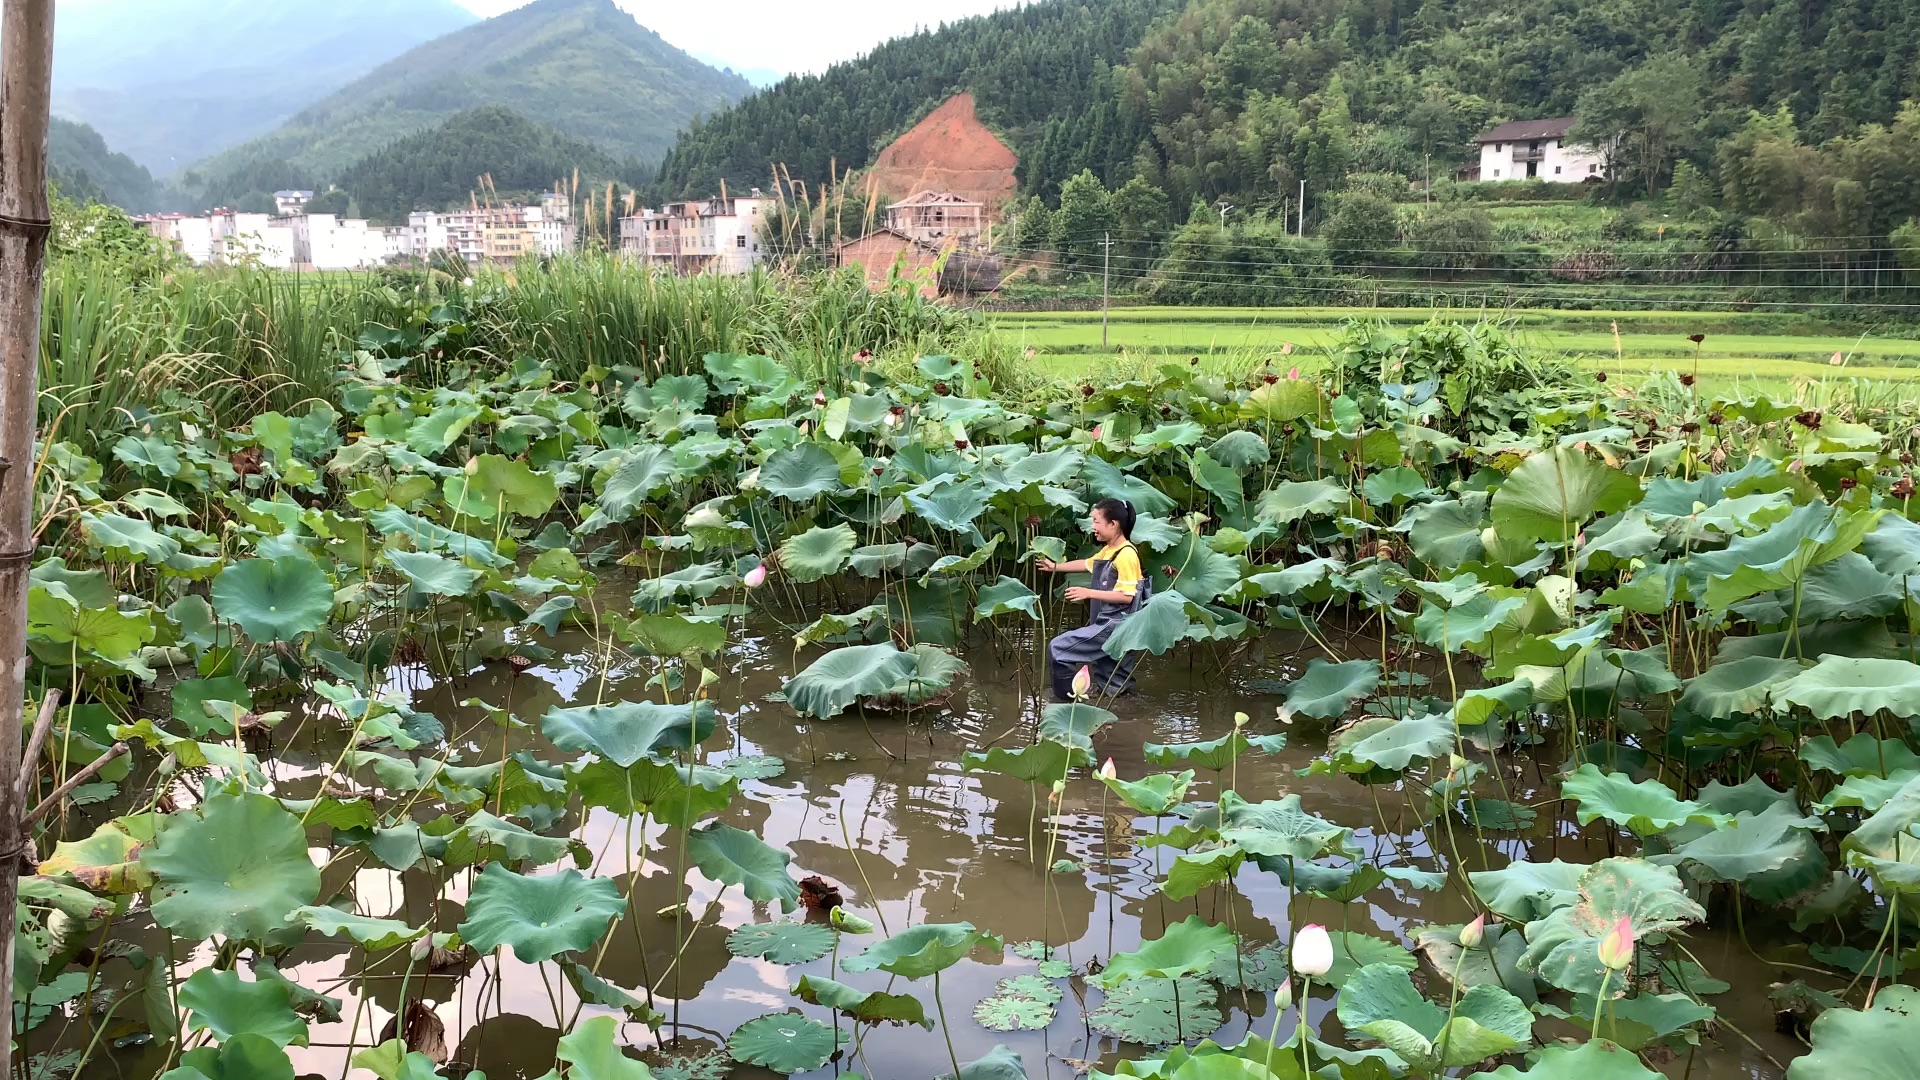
(1155, 794)
(511, 485)
(226, 1005)
(1738, 687)
(630, 731)
(1006, 595)
(1563, 947)
(1165, 620)
(1643, 1020)
(1525, 891)
(1380, 1002)
(1216, 755)
(1073, 723)
(538, 917)
(1596, 1059)
(244, 1057)
(1012, 1012)
(1840, 686)
(128, 538)
(817, 553)
(784, 1042)
(274, 599)
(1325, 691)
(867, 1007)
(1493, 962)
(371, 933)
(1861, 755)
(1278, 828)
(593, 1052)
(108, 861)
(845, 675)
(1383, 744)
(1646, 808)
(1353, 951)
(782, 942)
(434, 575)
(921, 950)
(1291, 500)
(236, 866)
(733, 856)
(1156, 1012)
(1188, 946)
(1106, 481)
(1554, 492)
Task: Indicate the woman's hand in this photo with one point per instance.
(1078, 593)
(1047, 565)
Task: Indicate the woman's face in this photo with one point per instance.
(1103, 530)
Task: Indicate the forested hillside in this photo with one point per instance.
(442, 166)
(1024, 67)
(584, 68)
(85, 169)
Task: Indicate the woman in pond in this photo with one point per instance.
(1118, 589)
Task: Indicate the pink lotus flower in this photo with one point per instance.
(1472, 934)
(1616, 948)
(1107, 770)
(756, 577)
(1293, 372)
(1096, 432)
(1082, 681)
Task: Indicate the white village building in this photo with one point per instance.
(1536, 149)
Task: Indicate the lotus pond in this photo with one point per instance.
(690, 722)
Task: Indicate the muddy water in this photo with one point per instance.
(885, 813)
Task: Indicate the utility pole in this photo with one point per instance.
(26, 79)
(1429, 180)
(1303, 209)
(1106, 269)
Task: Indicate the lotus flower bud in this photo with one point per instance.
(1287, 350)
(1837, 359)
(819, 399)
(1059, 788)
(1282, 997)
(1472, 934)
(1616, 948)
(1293, 372)
(1107, 771)
(473, 465)
(1312, 951)
(1096, 432)
(756, 577)
(1241, 719)
(1082, 681)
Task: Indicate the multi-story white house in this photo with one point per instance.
(636, 234)
(720, 235)
(428, 231)
(1536, 149)
(289, 203)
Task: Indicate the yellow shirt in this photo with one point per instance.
(1126, 565)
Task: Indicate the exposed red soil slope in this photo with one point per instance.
(951, 150)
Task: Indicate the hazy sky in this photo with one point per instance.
(778, 34)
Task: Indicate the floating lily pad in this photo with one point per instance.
(1012, 1012)
(785, 1042)
(1153, 1012)
(755, 767)
(782, 942)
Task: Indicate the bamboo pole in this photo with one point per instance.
(26, 77)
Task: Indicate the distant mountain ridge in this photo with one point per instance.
(169, 82)
(584, 68)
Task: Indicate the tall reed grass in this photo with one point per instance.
(245, 340)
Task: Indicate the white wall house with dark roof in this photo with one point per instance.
(1537, 150)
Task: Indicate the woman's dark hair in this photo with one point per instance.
(1118, 511)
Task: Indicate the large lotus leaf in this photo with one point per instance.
(1188, 946)
(1156, 1012)
(1282, 400)
(1555, 491)
(1354, 951)
(801, 472)
(1382, 743)
(1596, 1059)
(1444, 535)
(1645, 1019)
(243, 1057)
(1736, 688)
(1563, 947)
(1862, 755)
(371, 933)
(391, 1060)
(1525, 891)
(953, 566)
(1291, 500)
(1042, 762)
(1881, 1042)
(1772, 851)
(1646, 808)
(1193, 871)
(511, 485)
(1224, 483)
(1196, 569)
(1813, 534)
(733, 856)
(1380, 1002)
(1325, 691)
(1466, 623)
(922, 950)
(226, 1005)
(434, 575)
(1216, 755)
(539, 917)
(236, 867)
(1493, 962)
(103, 631)
(1155, 794)
(1073, 723)
(1278, 828)
(1240, 450)
(677, 795)
(642, 474)
(846, 675)
(732, 370)
(782, 942)
(868, 1007)
(1840, 686)
(630, 731)
(1885, 845)
(1106, 481)
(933, 673)
(1005, 595)
(666, 635)
(950, 504)
(1012, 1012)
(274, 599)
(696, 582)
(1165, 620)
(107, 861)
(1057, 467)
(817, 553)
(592, 1052)
(129, 538)
(784, 1042)
(430, 536)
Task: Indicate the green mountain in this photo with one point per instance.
(442, 166)
(1026, 67)
(82, 166)
(584, 68)
(169, 82)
